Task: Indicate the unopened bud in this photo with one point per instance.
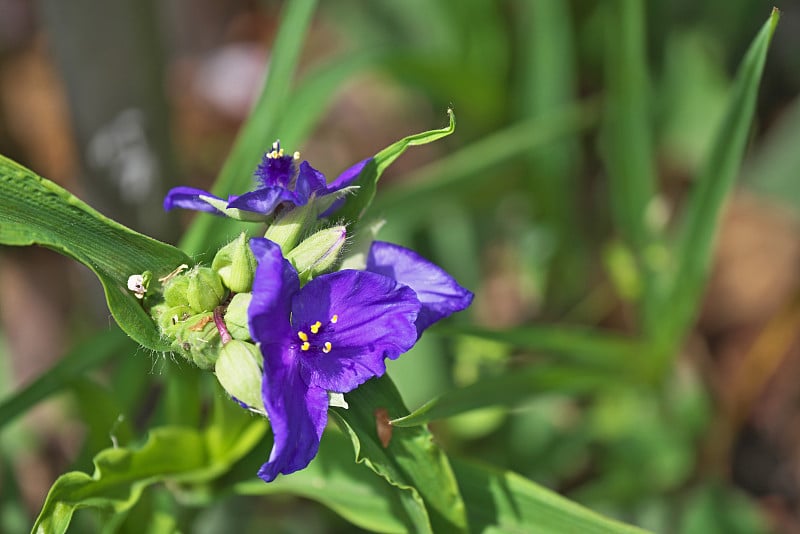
(318, 253)
(197, 339)
(239, 371)
(236, 316)
(236, 265)
(286, 229)
(175, 291)
(205, 289)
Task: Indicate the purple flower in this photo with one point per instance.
(437, 291)
(331, 335)
(280, 183)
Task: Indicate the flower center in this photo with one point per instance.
(311, 341)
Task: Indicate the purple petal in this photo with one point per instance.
(275, 171)
(309, 180)
(348, 176)
(274, 285)
(265, 200)
(364, 316)
(189, 198)
(297, 412)
(438, 292)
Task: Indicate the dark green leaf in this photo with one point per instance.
(410, 461)
(35, 211)
(500, 501)
(510, 389)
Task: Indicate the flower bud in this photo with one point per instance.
(318, 253)
(205, 289)
(286, 229)
(175, 291)
(236, 316)
(168, 317)
(197, 339)
(239, 371)
(236, 265)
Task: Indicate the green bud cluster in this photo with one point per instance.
(204, 310)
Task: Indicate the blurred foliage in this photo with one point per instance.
(581, 198)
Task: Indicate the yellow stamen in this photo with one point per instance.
(326, 348)
(303, 336)
(334, 319)
(315, 327)
(305, 346)
(296, 155)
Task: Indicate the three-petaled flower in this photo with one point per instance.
(334, 333)
(281, 183)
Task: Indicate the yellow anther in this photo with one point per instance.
(334, 319)
(305, 346)
(296, 155)
(326, 348)
(303, 336)
(315, 327)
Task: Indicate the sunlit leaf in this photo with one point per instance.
(35, 211)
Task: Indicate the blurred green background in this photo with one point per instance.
(583, 130)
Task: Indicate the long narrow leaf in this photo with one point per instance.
(700, 222)
(35, 211)
(510, 389)
(583, 345)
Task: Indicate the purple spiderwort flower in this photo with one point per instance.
(334, 334)
(280, 182)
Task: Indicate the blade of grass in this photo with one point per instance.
(628, 137)
(75, 364)
(548, 82)
(208, 232)
(510, 389)
(628, 143)
(700, 221)
(582, 345)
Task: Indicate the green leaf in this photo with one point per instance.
(410, 461)
(121, 475)
(258, 133)
(700, 221)
(356, 205)
(499, 501)
(627, 137)
(35, 211)
(74, 364)
(510, 389)
(350, 489)
(584, 345)
(171, 453)
(628, 143)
